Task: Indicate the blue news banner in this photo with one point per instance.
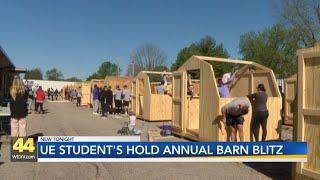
(130, 149)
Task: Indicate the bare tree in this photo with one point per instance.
(303, 16)
(147, 57)
(133, 70)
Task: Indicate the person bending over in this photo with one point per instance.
(233, 113)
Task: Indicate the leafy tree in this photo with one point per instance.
(73, 79)
(34, 73)
(274, 47)
(106, 69)
(207, 46)
(92, 76)
(147, 57)
(303, 17)
(54, 75)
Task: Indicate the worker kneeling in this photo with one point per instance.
(233, 117)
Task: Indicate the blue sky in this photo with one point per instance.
(76, 36)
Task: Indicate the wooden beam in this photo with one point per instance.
(311, 112)
(235, 61)
(311, 173)
(156, 72)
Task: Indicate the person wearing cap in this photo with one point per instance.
(233, 114)
(260, 112)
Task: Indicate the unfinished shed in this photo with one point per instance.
(86, 90)
(113, 81)
(199, 117)
(290, 93)
(308, 120)
(147, 104)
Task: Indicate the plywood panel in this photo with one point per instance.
(179, 97)
(241, 87)
(196, 87)
(140, 105)
(209, 99)
(161, 107)
(312, 136)
(176, 119)
(177, 86)
(141, 86)
(118, 80)
(193, 115)
(86, 93)
(312, 84)
(290, 93)
(134, 98)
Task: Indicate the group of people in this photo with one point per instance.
(104, 98)
(73, 95)
(52, 94)
(234, 111)
(36, 97)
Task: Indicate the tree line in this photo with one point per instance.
(52, 74)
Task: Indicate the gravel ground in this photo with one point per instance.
(65, 119)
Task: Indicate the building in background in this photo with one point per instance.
(7, 71)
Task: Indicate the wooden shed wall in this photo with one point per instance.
(118, 80)
(290, 93)
(308, 126)
(150, 106)
(86, 93)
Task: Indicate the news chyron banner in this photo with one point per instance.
(130, 149)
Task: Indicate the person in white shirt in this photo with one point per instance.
(126, 99)
(118, 100)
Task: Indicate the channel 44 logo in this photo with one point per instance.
(23, 150)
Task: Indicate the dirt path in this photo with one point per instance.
(66, 119)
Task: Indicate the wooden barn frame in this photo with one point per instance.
(118, 80)
(290, 92)
(308, 125)
(199, 117)
(146, 103)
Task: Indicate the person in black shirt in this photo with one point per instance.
(109, 100)
(260, 112)
(103, 100)
(18, 108)
(56, 94)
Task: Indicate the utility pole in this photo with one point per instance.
(132, 55)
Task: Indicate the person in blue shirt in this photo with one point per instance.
(95, 98)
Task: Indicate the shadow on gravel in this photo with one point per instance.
(273, 170)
